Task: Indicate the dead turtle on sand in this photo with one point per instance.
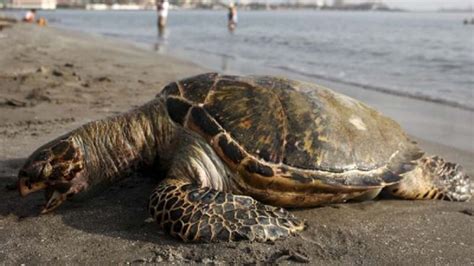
(236, 150)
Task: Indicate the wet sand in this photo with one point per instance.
(52, 81)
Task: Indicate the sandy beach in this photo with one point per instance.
(52, 81)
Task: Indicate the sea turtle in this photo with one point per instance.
(238, 149)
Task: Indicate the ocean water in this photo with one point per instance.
(429, 56)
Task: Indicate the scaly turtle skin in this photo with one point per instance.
(234, 147)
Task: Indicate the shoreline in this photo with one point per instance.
(56, 80)
(403, 94)
(240, 68)
(202, 57)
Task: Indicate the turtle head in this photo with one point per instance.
(57, 168)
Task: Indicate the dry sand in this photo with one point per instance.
(52, 81)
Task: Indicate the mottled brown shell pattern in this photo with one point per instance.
(279, 133)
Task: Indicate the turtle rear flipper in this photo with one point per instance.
(195, 213)
(433, 178)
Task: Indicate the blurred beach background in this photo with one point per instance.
(416, 66)
(427, 56)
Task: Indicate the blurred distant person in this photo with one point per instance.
(232, 17)
(467, 21)
(30, 16)
(42, 22)
(162, 7)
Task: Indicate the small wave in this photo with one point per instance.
(204, 51)
(406, 94)
(450, 67)
(110, 34)
(378, 53)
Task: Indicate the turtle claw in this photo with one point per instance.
(54, 201)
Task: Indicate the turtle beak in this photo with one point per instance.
(54, 201)
(57, 193)
(25, 187)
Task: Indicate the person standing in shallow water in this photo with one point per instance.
(30, 16)
(232, 17)
(162, 7)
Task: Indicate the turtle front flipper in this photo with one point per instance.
(194, 213)
(433, 178)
